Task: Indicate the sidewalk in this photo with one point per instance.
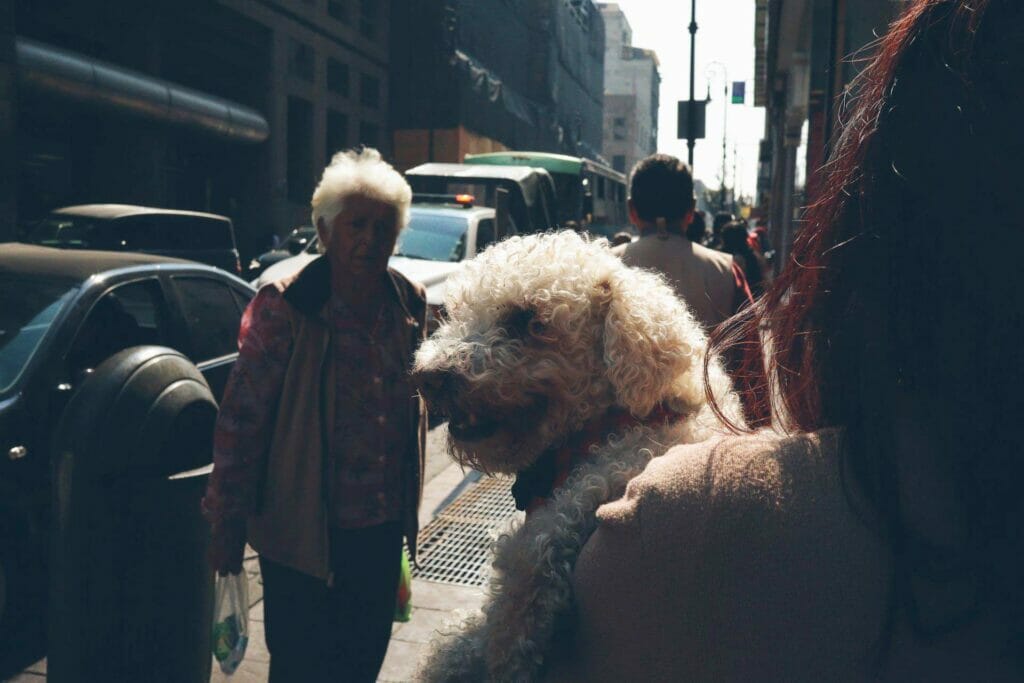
(433, 603)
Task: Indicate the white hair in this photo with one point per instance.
(363, 173)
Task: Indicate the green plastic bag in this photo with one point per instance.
(403, 602)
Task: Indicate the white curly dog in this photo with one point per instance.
(558, 363)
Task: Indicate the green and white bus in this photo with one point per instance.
(590, 194)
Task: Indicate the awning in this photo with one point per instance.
(60, 72)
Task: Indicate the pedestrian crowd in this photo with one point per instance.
(865, 522)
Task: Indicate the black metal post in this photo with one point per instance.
(725, 122)
(691, 132)
(8, 131)
(830, 81)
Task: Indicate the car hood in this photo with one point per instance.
(431, 274)
(283, 269)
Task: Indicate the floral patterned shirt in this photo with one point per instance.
(368, 448)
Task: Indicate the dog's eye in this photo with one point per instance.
(517, 322)
(523, 323)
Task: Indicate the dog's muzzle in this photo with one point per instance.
(441, 389)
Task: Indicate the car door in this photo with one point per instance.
(211, 310)
(484, 236)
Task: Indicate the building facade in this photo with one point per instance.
(474, 76)
(803, 68)
(262, 93)
(631, 87)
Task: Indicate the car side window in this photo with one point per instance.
(140, 233)
(132, 314)
(242, 299)
(212, 316)
(484, 234)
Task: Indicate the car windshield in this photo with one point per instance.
(72, 232)
(433, 237)
(27, 308)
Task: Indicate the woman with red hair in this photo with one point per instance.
(876, 530)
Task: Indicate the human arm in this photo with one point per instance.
(244, 425)
(629, 579)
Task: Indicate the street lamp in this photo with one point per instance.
(691, 133)
(711, 69)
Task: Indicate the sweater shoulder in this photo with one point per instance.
(725, 485)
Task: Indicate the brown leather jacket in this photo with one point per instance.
(290, 525)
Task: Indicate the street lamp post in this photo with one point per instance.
(712, 67)
(691, 132)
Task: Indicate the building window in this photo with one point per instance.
(619, 128)
(300, 150)
(338, 9)
(369, 134)
(581, 11)
(368, 18)
(619, 163)
(369, 91)
(300, 60)
(337, 132)
(337, 77)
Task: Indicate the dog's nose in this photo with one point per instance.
(432, 383)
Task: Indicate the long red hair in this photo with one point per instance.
(905, 281)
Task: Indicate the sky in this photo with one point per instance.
(725, 35)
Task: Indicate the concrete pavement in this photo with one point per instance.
(432, 604)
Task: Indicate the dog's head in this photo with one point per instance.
(546, 332)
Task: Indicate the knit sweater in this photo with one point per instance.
(741, 559)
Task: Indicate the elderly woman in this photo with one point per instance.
(882, 539)
(318, 450)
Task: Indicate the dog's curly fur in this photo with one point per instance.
(545, 333)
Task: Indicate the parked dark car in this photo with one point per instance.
(62, 313)
(296, 242)
(204, 237)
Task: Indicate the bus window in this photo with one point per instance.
(569, 194)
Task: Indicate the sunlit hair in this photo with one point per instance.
(361, 172)
(887, 301)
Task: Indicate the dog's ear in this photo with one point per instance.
(653, 347)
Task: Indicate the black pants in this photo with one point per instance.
(315, 633)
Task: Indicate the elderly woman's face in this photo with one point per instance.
(363, 236)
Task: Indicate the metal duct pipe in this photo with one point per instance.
(55, 71)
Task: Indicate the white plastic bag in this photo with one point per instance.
(230, 620)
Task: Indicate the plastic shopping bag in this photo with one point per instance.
(403, 601)
(230, 620)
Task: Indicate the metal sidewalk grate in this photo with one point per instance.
(454, 547)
